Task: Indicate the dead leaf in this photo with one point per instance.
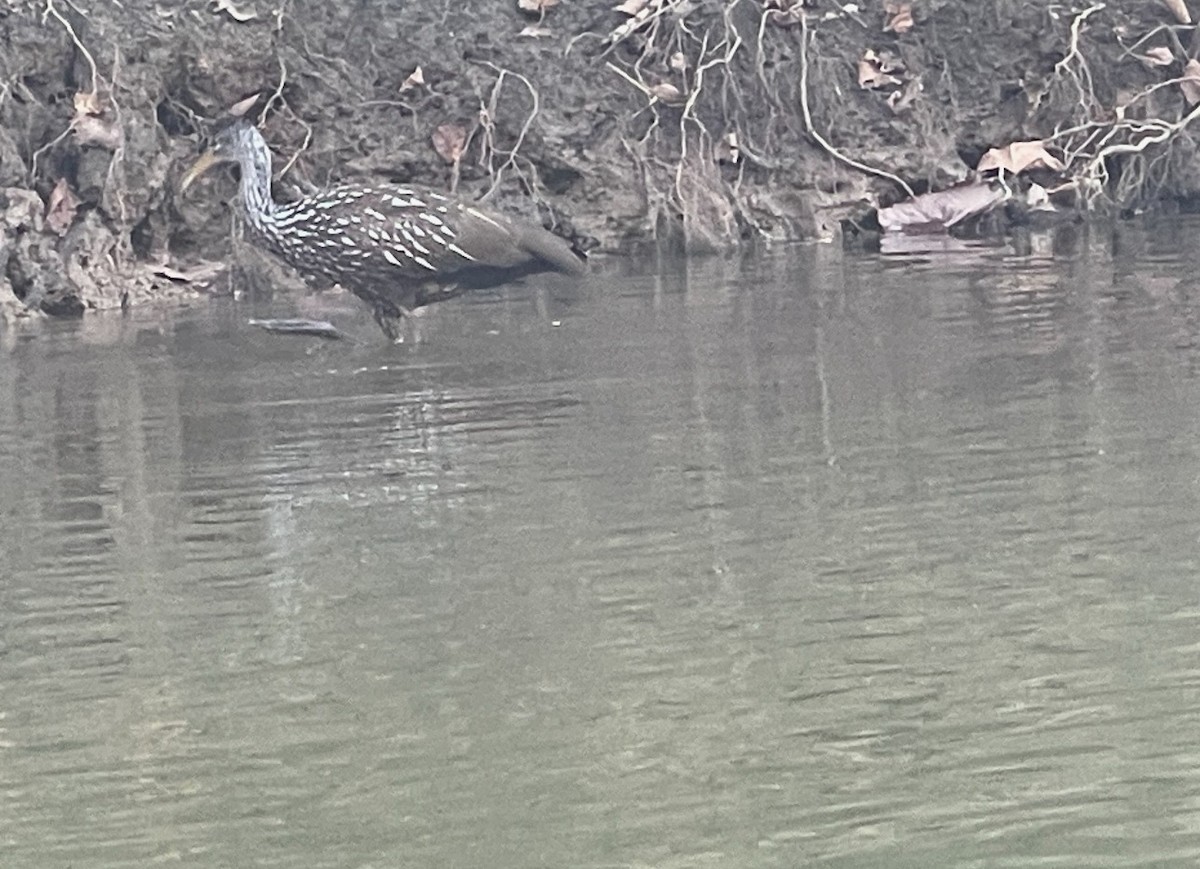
(1179, 9)
(449, 140)
(667, 93)
(240, 108)
(535, 31)
(639, 12)
(1190, 85)
(784, 13)
(900, 18)
(1160, 56)
(60, 210)
(88, 103)
(875, 71)
(899, 100)
(631, 7)
(91, 130)
(1019, 156)
(1038, 198)
(678, 61)
(535, 7)
(938, 211)
(727, 150)
(416, 78)
(234, 12)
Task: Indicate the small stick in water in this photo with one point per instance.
(317, 328)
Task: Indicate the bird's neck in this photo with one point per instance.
(256, 188)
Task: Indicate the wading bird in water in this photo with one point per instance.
(394, 246)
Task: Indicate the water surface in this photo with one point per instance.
(806, 560)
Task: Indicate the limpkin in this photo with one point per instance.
(394, 246)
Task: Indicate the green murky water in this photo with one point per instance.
(877, 561)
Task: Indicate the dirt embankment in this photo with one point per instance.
(696, 122)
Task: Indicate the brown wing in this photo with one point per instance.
(389, 233)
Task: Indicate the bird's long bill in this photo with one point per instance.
(207, 160)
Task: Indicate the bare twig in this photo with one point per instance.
(87, 55)
(1079, 72)
(277, 94)
(812, 130)
(511, 155)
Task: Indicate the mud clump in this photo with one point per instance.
(700, 124)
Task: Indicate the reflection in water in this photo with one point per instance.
(804, 560)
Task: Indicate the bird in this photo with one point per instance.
(397, 247)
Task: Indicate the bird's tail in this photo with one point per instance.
(555, 251)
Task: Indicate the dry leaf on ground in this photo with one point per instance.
(726, 148)
(93, 124)
(900, 100)
(535, 7)
(788, 17)
(899, 17)
(1179, 9)
(668, 93)
(88, 103)
(1038, 198)
(631, 7)
(416, 78)
(449, 140)
(1190, 85)
(784, 13)
(91, 130)
(875, 71)
(534, 31)
(1018, 157)
(60, 210)
(1160, 56)
(234, 12)
(932, 212)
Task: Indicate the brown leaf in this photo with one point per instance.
(1019, 156)
(240, 108)
(535, 31)
(900, 18)
(416, 78)
(89, 103)
(535, 7)
(449, 140)
(678, 61)
(782, 13)
(631, 7)
(60, 210)
(899, 100)
(1179, 9)
(1160, 56)
(91, 130)
(940, 210)
(1190, 85)
(1038, 198)
(875, 71)
(234, 12)
(668, 93)
(726, 148)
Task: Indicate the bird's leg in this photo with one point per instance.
(391, 318)
(438, 293)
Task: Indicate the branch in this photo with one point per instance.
(812, 130)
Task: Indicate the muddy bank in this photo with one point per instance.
(704, 123)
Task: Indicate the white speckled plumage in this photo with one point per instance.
(393, 246)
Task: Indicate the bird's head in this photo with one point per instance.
(230, 145)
